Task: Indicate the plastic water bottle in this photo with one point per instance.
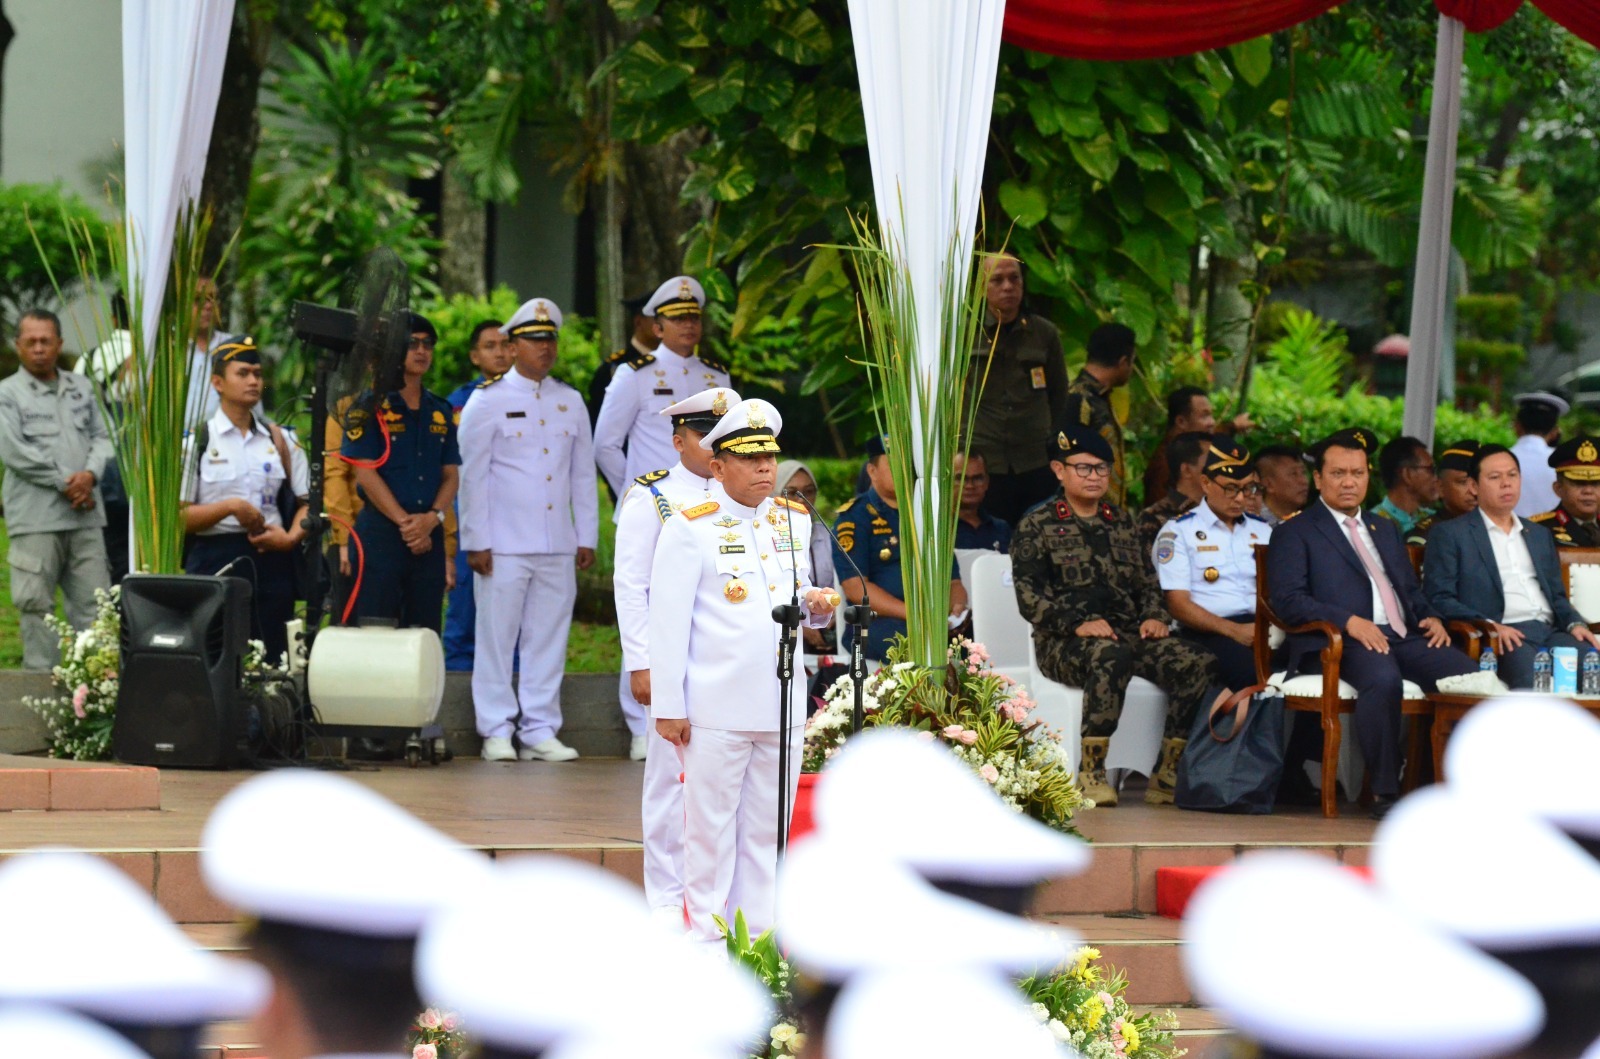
(1591, 673)
(1486, 661)
(1543, 671)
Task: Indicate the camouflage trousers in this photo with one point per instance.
(1102, 668)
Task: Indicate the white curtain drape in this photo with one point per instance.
(172, 55)
(1431, 285)
(927, 70)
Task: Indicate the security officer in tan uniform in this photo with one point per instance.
(1098, 620)
(1110, 364)
(1573, 521)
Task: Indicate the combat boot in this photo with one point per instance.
(1092, 772)
(1164, 781)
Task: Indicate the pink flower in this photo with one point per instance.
(79, 697)
(968, 736)
(424, 1051)
(952, 731)
(429, 1020)
(924, 736)
(452, 1022)
(990, 773)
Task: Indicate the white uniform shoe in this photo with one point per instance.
(496, 749)
(637, 750)
(551, 749)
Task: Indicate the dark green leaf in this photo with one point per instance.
(688, 25)
(1098, 156)
(801, 38)
(718, 95)
(1025, 205)
(770, 90)
(644, 73)
(1253, 59)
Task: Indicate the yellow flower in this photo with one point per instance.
(1130, 1037)
(1083, 958)
(1091, 1014)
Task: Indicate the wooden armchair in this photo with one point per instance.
(1571, 557)
(1333, 697)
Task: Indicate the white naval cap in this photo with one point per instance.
(1555, 401)
(703, 410)
(595, 931)
(906, 925)
(534, 318)
(1560, 738)
(1279, 909)
(749, 427)
(116, 956)
(678, 296)
(313, 850)
(918, 805)
(1485, 873)
(977, 1014)
(26, 1030)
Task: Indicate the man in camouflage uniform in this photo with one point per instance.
(1577, 467)
(1096, 611)
(1110, 364)
(1458, 489)
(1186, 454)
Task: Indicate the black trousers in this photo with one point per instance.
(395, 584)
(1011, 495)
(1236, 663)
(271, 577)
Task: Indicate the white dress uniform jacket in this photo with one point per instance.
(713, 653)
(243, 465)
(1197, 553)
(527, 469)
(639, 390)
(1538, 477)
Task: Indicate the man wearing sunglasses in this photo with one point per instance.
(1096, 610)
(1206, 563)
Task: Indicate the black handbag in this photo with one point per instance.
(1234, 757)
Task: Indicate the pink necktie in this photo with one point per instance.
(1391, 605)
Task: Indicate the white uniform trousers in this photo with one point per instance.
(530, 596)
(637, 717)
(662, 815)
(730, 846)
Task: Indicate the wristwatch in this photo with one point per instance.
(440, 515)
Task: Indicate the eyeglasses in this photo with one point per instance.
(1233, 492)
(420, 343)
(1091, 470)
(809, 492)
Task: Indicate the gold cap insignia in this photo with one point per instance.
(1586, 452)
(540, 312)
(719, 404)
(684, 290)
(1062, 442)
(756, 418)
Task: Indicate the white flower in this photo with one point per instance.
(782, 1032)
(1059, 1031)
(1041, 1012)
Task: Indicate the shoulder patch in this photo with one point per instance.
(700, 509)
(1165, 549)
(634, 359)
(652, 478)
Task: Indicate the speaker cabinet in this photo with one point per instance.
(183, 645)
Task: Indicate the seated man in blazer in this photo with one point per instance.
(1495, 566)
(1334, 562)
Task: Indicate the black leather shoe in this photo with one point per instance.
(1381, 806)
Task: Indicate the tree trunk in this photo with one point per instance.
(234, 136)
(657, 221)
(464, 227)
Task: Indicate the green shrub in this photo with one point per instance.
(1489, 315)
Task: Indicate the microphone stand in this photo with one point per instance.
(788, 616)
(857, 616)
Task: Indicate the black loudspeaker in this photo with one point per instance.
(183, 646)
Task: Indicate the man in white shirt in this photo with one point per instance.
(650, 502)
(1496, 566)
(645, 383)
(529, 522)
(1538, 426)
(719, 569)
(236, 509)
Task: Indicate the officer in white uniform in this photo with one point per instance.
(1538, 423)
(646, 383)
(1206, 563)
(336, 883)
(651, 500)
(719, 569)
(529, 521)
(117, 959)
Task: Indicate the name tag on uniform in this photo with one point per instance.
(516, 415)
(1037, 375)
(662, 391)
(1208, 547)
(730, 549)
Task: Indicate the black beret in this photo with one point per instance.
(1075, 439)
(1226, 458)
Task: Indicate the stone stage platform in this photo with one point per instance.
(590, 809)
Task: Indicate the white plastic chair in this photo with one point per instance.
(1585, 592)
(998, 624)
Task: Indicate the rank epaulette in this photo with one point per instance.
(616, 357)
(490, 381)
(1296, 514)
(652, 478)
(793, 505)
(1247, 514)
(1186, 515)
(701, 509)
(711, 361)
(846, 506)
(636, 360)
(1108, 512)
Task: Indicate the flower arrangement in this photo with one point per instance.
(437, 1035)
(983, 716)
(79, 717)
(1083, 1005)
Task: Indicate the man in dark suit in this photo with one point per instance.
(1337, 563)
(1495, 566)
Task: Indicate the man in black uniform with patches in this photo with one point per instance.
(1096, 610)
(1458, 489)
(1577, 466)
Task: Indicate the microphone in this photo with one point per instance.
(857, 615)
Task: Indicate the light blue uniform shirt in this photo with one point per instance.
(1195, 543)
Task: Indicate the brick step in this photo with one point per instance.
(40, 784)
